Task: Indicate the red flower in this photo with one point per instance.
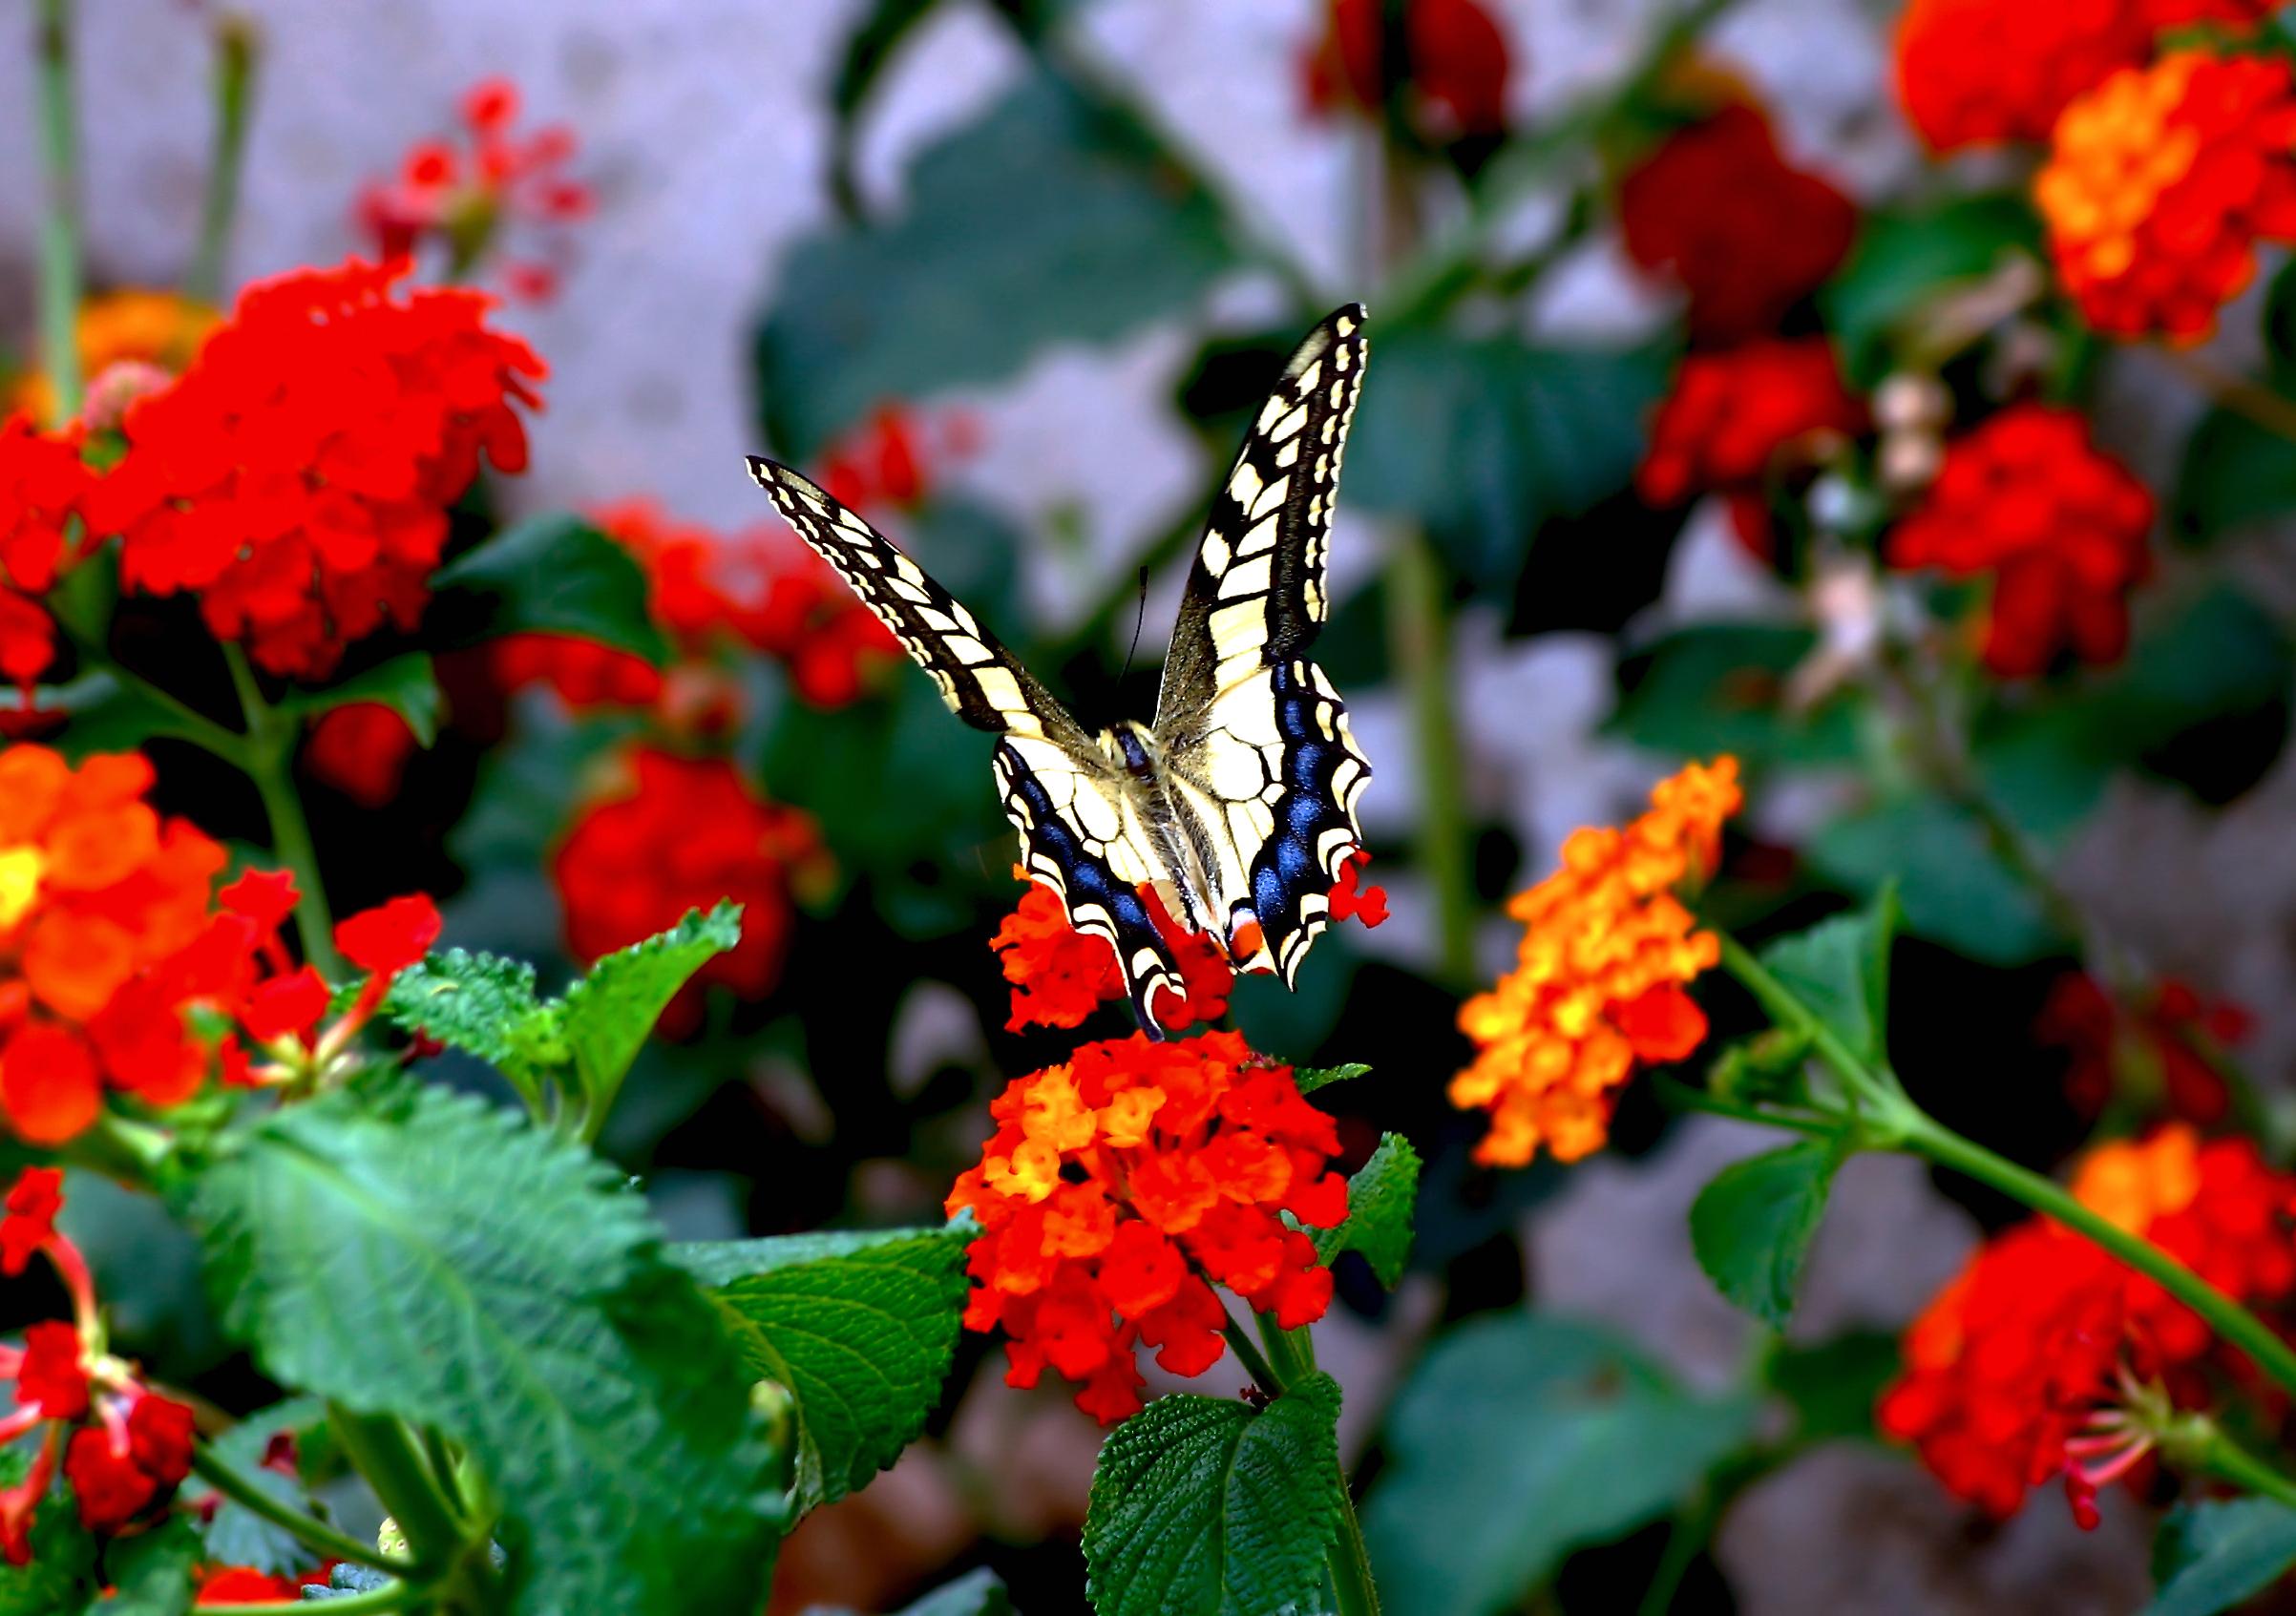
(879, 463)
(42, 480)
(2154, 1050)
(243, 1585)
(1737, 416)
(119, 1471)
(391, 938)
(297, 476)
(584, 673)
(52, 1377)
(1746, 234)
(2060, 526)
(684, 834)
(361, 749)
(1456, 64)
(33, 1203)
(1119, 1186)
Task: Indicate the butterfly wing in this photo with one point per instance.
(1255, 741)
(1081, 829)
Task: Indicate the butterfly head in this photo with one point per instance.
(1132, 747)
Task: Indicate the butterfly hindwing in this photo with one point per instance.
(1254, 737)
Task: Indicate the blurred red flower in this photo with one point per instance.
(1744, 233)
(1456, 64)
(2157, 1047)
(361, 749)
(42, 481)
(2061, 527)
(1121, 1185)
(297, 475)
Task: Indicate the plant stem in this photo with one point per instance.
(1350, 1563)
(311, 1532)
(2201, 1444)
(269, 764)
(396, 1597)
(2261, 404)
(1254, 1362)
(233, 79)
(1875, 1085)
(1418, 625)
(381, 1450)
(61, 267)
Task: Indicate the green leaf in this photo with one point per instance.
(1720, 688)
(1905, 261)
(608, 1014)
(1839, 969)
(1047, 220)
(1751, 1227)
(410, 1251)
(2233, 473)
(151, 1573)
(1482, 439)
(1955, 889)
(2279, 327)
(106, 714)
(1380, 1195)
(238, 1536)
(1309, 1078)
(2210, 1557)
(61, 1574)
(1833, 1386)
(482, 1004)
(407, 686)
(1203, 1506)
(553, 574)
(1522, 1438)
(861, 1328)
(975, 1593)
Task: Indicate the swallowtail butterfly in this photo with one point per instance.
(1238, 804)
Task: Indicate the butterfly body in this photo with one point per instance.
(1237, 807)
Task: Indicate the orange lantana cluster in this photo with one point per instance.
(1606, 950)
(2161, 183)
(1123, 1184)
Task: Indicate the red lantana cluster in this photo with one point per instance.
(2154, 1050)
(463, 190)
(1978, 71)
(1744, 233)
(244, 1584)
(2021, 1369)
(2162, 181)
(42, 481)
(679, 834)
(1121, 1185)
(2061, 527)
(123, 1447)
(1455, 65)
(1060, 975)
(297, 475)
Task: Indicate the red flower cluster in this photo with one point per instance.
(361, 749)
(1978, 72)
(2013, 1372)
(1060, 975)
(1121, 1185)
(124, 1447)
(464, 197)
(1744, 233)
(243, 1585)
(1455, 65)
(2154, 1050)
(2061, 527)
(42, 481)
(2161, 184)
(684, 833)
(297, 475)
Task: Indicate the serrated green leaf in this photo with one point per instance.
(1518, 1440)
(859, 1326)
(484, 1005)
(151, 1573)
(61, 1574)
(1751, 1227)
(1720, 688)
(238, 1536)
(1096, 236)
(407, 686)
(2210, 1557)
(1309, 1078)
(1203, 1506)
(553, 574)
(1839, 969)
(608, 1014)
(408, 1251)
(1380, 1196)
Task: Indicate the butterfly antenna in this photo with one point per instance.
(1139, 614)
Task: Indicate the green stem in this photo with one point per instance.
(61, 267)
(120, 1149)
(379, 1449)
(1677, 1096)
(233, 79)
(269, 764)
(313, 1533)
(1876, 1085)
(1350, 1563)
(1254, 1362)
(1291, 1356)
(2201, 1444)
(1418, 625)
(396, 1597)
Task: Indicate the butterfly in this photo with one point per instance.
(1237, 806)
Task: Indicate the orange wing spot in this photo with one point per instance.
(1247, 942)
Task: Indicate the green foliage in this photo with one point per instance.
(480, 1003)
(1751, 1227)
(61, 1575)
(2233, 473)
(1518, 1440)
(975, 1593)
(1049, 219)
(1380, 1195)
(1481, 439)
(1905, 261)
(407, 1252)
(606, 1017)
(1956, 890)
(1205, 1507)
(407, 686)
(108, 713)
(1309, 1078)
(151, 1573)
(859, 1326)
(1718, 687)
(552, 574)
(238, 1536)
(2210, 1557)
(1832, 1386)
(1839, 969)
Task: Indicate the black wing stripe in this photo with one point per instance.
(1323, 775)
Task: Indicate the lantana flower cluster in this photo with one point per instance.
(2158, 1050)
(42, 481)
(1608, 948)
(1121, 1185)
(1455, 65)
(2022, 1370)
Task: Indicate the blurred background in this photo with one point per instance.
(1017, 271)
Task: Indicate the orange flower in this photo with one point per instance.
(1606, 950)
(1121, 1187)
(155, 332)
(2160, 183)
